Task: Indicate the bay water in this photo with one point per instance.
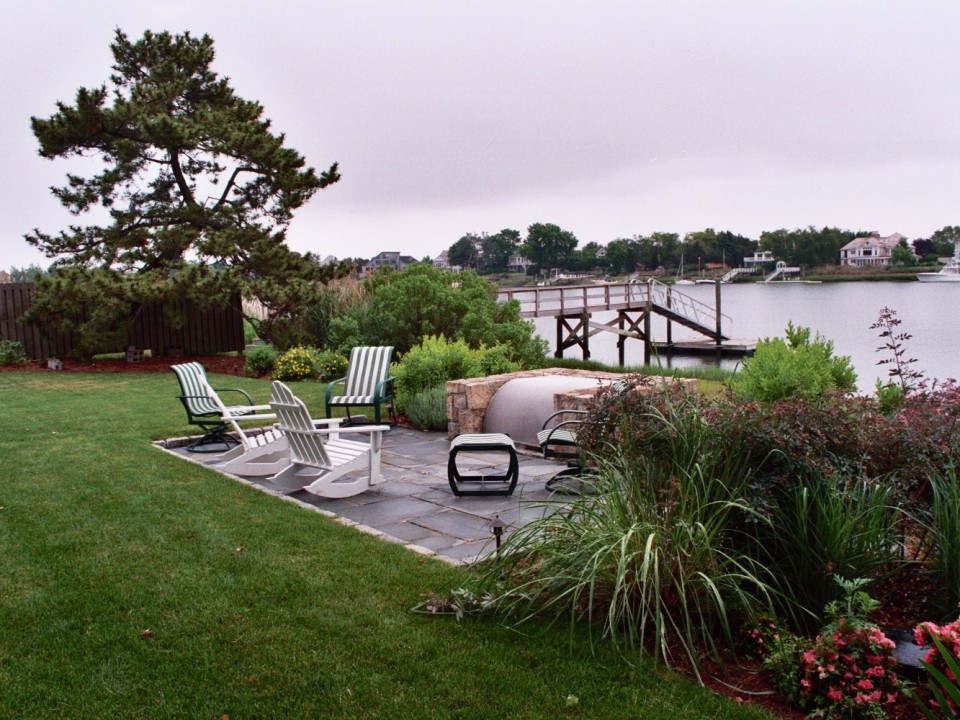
(841, 312)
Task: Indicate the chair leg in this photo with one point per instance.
(214, 440)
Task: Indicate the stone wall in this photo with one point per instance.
(467, 400)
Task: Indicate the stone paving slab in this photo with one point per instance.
(415, 507)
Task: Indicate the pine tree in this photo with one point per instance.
(195, 189)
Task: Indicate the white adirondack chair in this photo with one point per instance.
(266, 452)
(318, 459)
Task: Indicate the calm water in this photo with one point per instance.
(842, 312)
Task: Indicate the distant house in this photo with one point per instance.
(870, 251)
(442, 261)
(518, 263)
(760, 257)
(388, 259)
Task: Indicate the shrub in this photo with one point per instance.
(847, 671)
(432, 363)
(261, 360)
(427, 410)
(495, 360)
(329, 365)
(11, 353)
(797, 366)
(297, 363)
(648, 549)
(249, 332)
(421, 301)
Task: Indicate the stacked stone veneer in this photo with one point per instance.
(467, 400)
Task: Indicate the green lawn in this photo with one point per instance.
(256, 607)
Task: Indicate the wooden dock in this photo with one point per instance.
(728, 348)
(634, 303)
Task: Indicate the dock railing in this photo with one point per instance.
(576, 299)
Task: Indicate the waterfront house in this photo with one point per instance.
(518, 263)
(442, 261)
(870, 251)
(388, 259)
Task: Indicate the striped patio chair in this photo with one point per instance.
(206, 410)
(367, 384)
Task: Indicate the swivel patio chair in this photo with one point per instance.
(206, 410)
(367, 384)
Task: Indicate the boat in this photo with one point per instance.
(680, 280)
(948, 273)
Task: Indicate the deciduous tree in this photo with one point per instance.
(548, 245)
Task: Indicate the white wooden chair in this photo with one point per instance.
(264, 452)
(318, 459)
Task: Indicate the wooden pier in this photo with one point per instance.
(635, 304)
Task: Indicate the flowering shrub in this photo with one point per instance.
(849, 673)
(297, 363)
(942, 659)
(329, 365)
(848, 669)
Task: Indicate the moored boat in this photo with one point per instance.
(948, 273)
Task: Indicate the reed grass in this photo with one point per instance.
(648, 552)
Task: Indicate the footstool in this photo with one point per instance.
(479, 443)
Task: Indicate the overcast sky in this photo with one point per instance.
(610, 119)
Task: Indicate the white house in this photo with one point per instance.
(518, 263)
(870, 251)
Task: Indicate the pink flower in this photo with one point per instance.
(834, 695)
(865, 684)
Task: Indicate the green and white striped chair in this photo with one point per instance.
(205, 409)
(367, 383)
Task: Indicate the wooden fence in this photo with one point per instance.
(203, 332)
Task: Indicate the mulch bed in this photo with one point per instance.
(223, 364)
(907, 596)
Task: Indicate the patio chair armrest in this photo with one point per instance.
(558, 426)
(385, 388)
(546, 422)
(341, 430)
(246, 416)
(236, 390)
(327, 421)
(332, 383)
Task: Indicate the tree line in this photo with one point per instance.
(548, 246)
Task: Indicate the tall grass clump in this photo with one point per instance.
(649, 555)
(942, 525)
(825, 529)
